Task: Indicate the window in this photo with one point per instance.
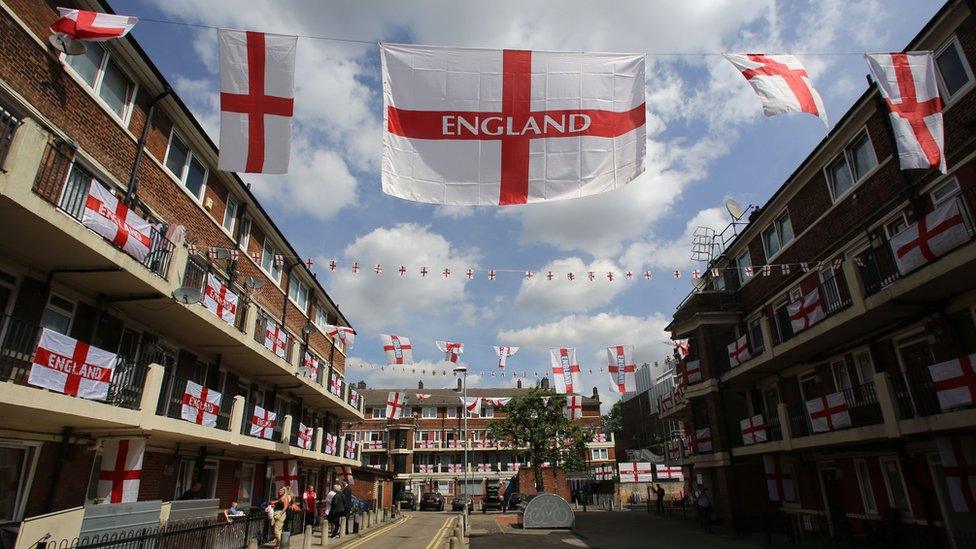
(781, 317)
(741, 262)
(896, 226)
(58, 314)
(771, 401)
(864, 366)
(246, 486)
(944, 192)
(842, 379)
(867, 490)
(487, 410)
(600, 454)
(778, 235)
(854, 162)
(321, 317)
(104, 77)
(452, 411)
(244, 232)
(429, 412)
(954, 72)
(378, 413)
(16, 475)
(230, 214)
(186, 166)
(896, 486)
(755, 335)
(298, 292)
(268, 262)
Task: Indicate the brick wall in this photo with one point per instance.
(553, 481)
(228, 482)
(70, 474)
(158, 476)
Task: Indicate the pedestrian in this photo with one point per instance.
(337, 510)
(705, 508)
(281, 506)
(310, 498)
(269, 525)
(328, 502)
(347, 494)
(659, 491)
(232, 512)
(195, 492)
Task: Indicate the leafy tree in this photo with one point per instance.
(612, 420)
(540, 431)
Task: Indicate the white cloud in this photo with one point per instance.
(578, 295)
(454, 212)
(677, 253)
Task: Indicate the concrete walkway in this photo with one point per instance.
(412, 530)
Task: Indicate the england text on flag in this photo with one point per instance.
(473, 126)
(257, 90)
(565, 370)
(110, 217)
(781, 82)
(72, 367)
(219, 299)
(398, 349)
(623, 370)
(92, 26)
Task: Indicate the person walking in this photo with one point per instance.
(309, 498)
(659, 491)
(281, 506)
(328, 503)
(705, 508)
(337, 509)
(347, 494)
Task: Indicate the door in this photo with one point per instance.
(915, 357)
(833, 503)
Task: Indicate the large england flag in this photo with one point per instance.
(623, 370)
(219, 299)
(72, 367)
(108, 216)
(343, 337)
(781, 82)
(500, 127)
(934, 235)
(121, 470)
(908, 85)
(397, 348)
(565, 370)
(257, 91)
(503, 354)
(958, 456)
(200, 405)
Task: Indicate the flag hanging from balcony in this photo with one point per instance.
(958, 456)
(739, 351)
(779, 478)
(781, 82)
(108, 216)
(452, 351)
(72, 367)
(395, 402)
(284, 472)
(955, 382)
(693, 373)
(305, 436)
(200, 405)
(92, 26)
(673, 450)
(310, 365)
(343, 337)
(565, 370)
(806, 312)
(503, 354)
(220, 300)
(603, 472)
(829, 412)
(263, 423)
(753, 430)
(682, 347)
(398, 349)
(257, 91)
(478, 127)
(121, 469)
(623, 371)
(636, 472)
(934, 235)
(668, 472)
(331, 444)
(907, 83)
(703, 440)
(275, 338)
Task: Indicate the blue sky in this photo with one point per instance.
(707, 140)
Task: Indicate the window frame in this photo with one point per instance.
(901, 478)
(743, 279)
(95, 87)
(190, 156)
(775, 227)
(293, 279)
(871, 509)
(452, 412)
(756, 347)
(426, 409)
(847, 157)
(244, 232)
(955, 192)
(948, 100)
(373, 414)
(233, 216)
(267, 248)
(599, 454)
(59, 310)
(32, 451)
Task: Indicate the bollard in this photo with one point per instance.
(307, 538)
(342, 527)
(458, 536)
(252, 543)
(453, 543)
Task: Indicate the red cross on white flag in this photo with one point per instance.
(574, 407)
(500, 127)
(331, 443)
(930, 237)
(779, 478)
(305, 436)
(284, 472)
(503, 354)
(110, 217)
(739, 351)
(71, 367)
(703, 440)
(310, 365)
(426, 468)
(455, 468)
(682, 347)
(421, 396)
(806, 312)
(345, 472)
(668, 472)
(829, 412)
(200, 405)
(753, 430)
(673, 451)
(955, 382)
(958, 456)
(343, 336)
(484, 468)
(908, 85)
(257, 90)
(623, 371)
(275, 338)
(565, 370)
(395, 401)
(263, 423)
(452, 351)
(121, 469)
(603, 472)
(398, 349)
(92, 26)
(693, 372)
(351, 448)
(220, 300)
(781, 82)
(472, 405)
(636, 472)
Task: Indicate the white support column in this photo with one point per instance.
(319, 437)
(236, 425)
(151, 390)
(286, 430)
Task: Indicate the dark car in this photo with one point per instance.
(432, 501)
(459, 503)
(406, 500)
(515, 499)
(492, 501)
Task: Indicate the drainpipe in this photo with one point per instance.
(130, 193)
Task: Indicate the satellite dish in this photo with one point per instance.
(734, 208)
(187, 295)
(253, 282)
(66, 44)
(221, 253)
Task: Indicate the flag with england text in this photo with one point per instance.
(115, 221)
(72, 367)
(486, 127)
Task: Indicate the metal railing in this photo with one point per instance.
(171, 400)
(835, 296)
(8, 126)
(187, 534)
(17, 352)
(195, 276)
(862, 404)
(65, 185)
(916, 393)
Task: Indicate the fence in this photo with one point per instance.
(215, 533)
(195, 276)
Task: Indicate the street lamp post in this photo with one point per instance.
(463, 370)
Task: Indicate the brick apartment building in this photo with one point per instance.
(70, 122)
(424, 449)
(882, 329)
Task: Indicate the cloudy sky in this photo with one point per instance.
(706, 140)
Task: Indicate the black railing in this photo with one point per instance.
(17, 352)
(171, 401)
(920, 398)
(249, 415)
(8, 126)
(799, 424)
(862, 404)
(188, 534)
(65, 185)
(835, 296)
(195, 276)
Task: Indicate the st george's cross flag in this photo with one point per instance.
(958, 456)
(452, 351)
(781, 82)
(120, 469)
(934, 235)
(668, 472)
(955, 382)
(501, 127)
(778, 472)
(829, 412)
(263, 423)
(739, 351)
(636, 472)
(284, 472)
(753, 430)
(574, 407)
(503, 354)
(257, 91)
(305, 436)
(219, 299)
(623, 370)
(200, 405)
(395, 402)
(331, 444)
(345, 471)
(907, 83)
(472, 405)
(344, 337)
(806, 312)
(565, 370)
(115, 221)
(276, 338)
(72, 367)
(398, 349)
(92, 26)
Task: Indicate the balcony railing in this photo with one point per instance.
(916, 393)
(8, 126)
(17, 352)
(862, 406)
(171, 401)
(249, 414)
(65, 185)
(195, 276)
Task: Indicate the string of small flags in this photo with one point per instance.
(483, 372)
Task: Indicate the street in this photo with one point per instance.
(415, 530)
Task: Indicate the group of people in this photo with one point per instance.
(285, 508)
(702, 499)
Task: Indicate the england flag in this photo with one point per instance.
(120, 470)
(72, 367)
(397, 348)
(565, 370)
(92, 26)
(503, 354)
(781, 82)
(114, 220)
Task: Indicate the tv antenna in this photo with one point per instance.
(703, 244)
(734, 209)
(253, 282)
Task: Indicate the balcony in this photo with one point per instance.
(171, 401)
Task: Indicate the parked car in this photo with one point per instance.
(492, 501)
(515, 499)
(432, 501)
(459, 503)
(406, 500)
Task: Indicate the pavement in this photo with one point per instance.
(412, 530)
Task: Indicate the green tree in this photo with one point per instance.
(539, 430)
(612, 420)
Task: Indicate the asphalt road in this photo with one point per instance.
(417, 530)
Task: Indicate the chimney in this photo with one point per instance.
(361, 385)
(459, 384)
(544, 383)
(420, 385)
(519, 384)
(596, 394)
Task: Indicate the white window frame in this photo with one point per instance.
(756, 319)
(866, 352)
(866, 497)
(382, 412)
(452, 412)
(952, 42)
(901, 478)
(70, 314)
(838, 368)
(292, 281)
(321, 317)
(599, 454)
(246, 479)
(743, 279)
(245, 235)
(190, 155)
(487, 411)
(426, 412)
(32, 452)
(775, 228)
(96, 87)
(848, 158)
(269, 249)
(952, 181)
(886, 225)
(232, 213)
